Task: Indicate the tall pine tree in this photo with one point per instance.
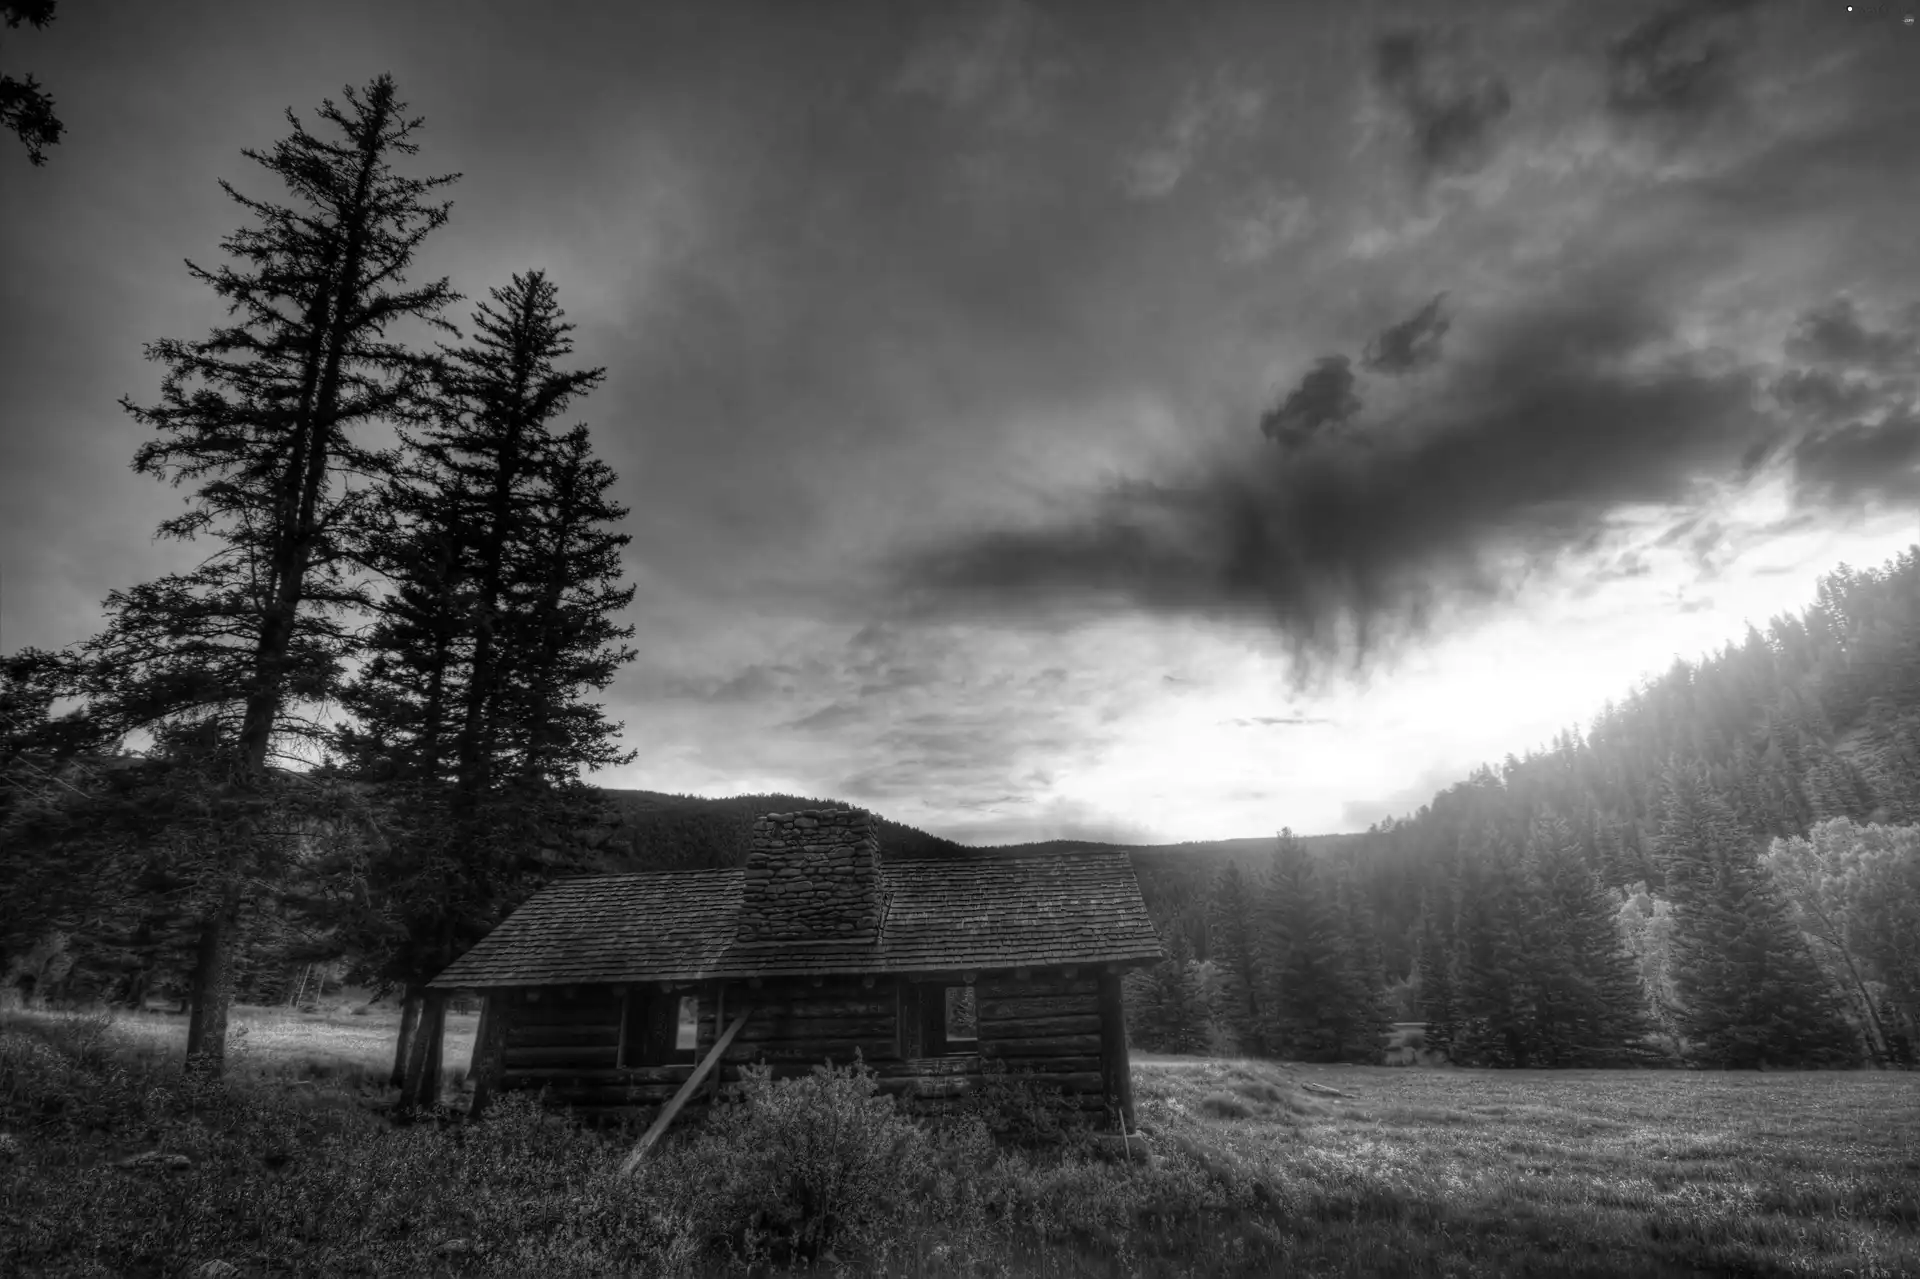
(1750, 993)
(262, 417)
(1315, 1007)
(1591, 1006)
(1233, 931)
(477, 704)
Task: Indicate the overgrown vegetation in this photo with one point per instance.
(115, 1163)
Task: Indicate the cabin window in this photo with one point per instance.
(961, 1034)
(936, 1020)
(659, 1028)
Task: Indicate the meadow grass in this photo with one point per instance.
(1255, 1170)
(327, 1045)
(1565, 1172)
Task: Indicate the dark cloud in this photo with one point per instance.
(1449, 103)
(1822, 395)
(1856, 411)
(1562, 415)
(1325, 397)
(1834, 335)
(1411, 344)
(1879, 460)
(1680, 61)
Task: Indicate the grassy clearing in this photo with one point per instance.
(1408, 1172)
(1582, 1172)
(279, 1045)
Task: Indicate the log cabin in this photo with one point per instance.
(620, 994)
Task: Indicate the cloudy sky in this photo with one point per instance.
(1093, 420)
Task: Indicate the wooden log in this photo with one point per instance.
(832, 1006)
(680, 1097)
(1038, 987)
(489, 1050)
(719, 1010)
(558, 1015)
(1048, 1065)
(558, 1036)
(479, 1037)
(1075, 1081)
(612, 1094)
(1115, 1069)
(422, 1088)
(602, 1058)
(1051, 1046)
(1042, 1027)
(841, 1052)
(823, 1029)
(1040, 1006)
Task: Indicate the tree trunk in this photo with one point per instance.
(210, 993)
(422, 1086)
(409, 1019)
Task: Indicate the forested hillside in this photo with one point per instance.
(1754, 808)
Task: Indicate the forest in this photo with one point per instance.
(1721, 869)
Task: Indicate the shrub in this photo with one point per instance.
(802, 1168)
(1023, 1109)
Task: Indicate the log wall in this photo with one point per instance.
(569, 1044)
(1048, 1024)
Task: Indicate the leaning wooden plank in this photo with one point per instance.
(679, 1099)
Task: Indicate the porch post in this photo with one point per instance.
(490, 1048)
(1116, 1072)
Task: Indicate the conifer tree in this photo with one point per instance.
(1750, 993)
(1315, 1007)
(1496, 978)
(1165, 1001)
(261, 416)
(477, 702)
(1372, 1023)
(1591, 1004)
(25, 108)
(1234, 936)
(1433, 962)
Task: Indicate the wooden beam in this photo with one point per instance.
(490, 1049)
(421, 1088)
(652, 1136)
(1116, 1072)
(719, 1017)
(620, 1044)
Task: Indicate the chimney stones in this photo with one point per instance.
(813, 876)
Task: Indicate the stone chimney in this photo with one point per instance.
(813, 877)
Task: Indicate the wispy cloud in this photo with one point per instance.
(1219, 105)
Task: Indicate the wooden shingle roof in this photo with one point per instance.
(977, 913)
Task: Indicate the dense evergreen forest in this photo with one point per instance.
(1725, 868)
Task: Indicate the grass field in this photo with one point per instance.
(330, 1045)
(1580, 1172)
(1256, 1169)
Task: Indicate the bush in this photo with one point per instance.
(804, 1168)
(1022, 1109)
